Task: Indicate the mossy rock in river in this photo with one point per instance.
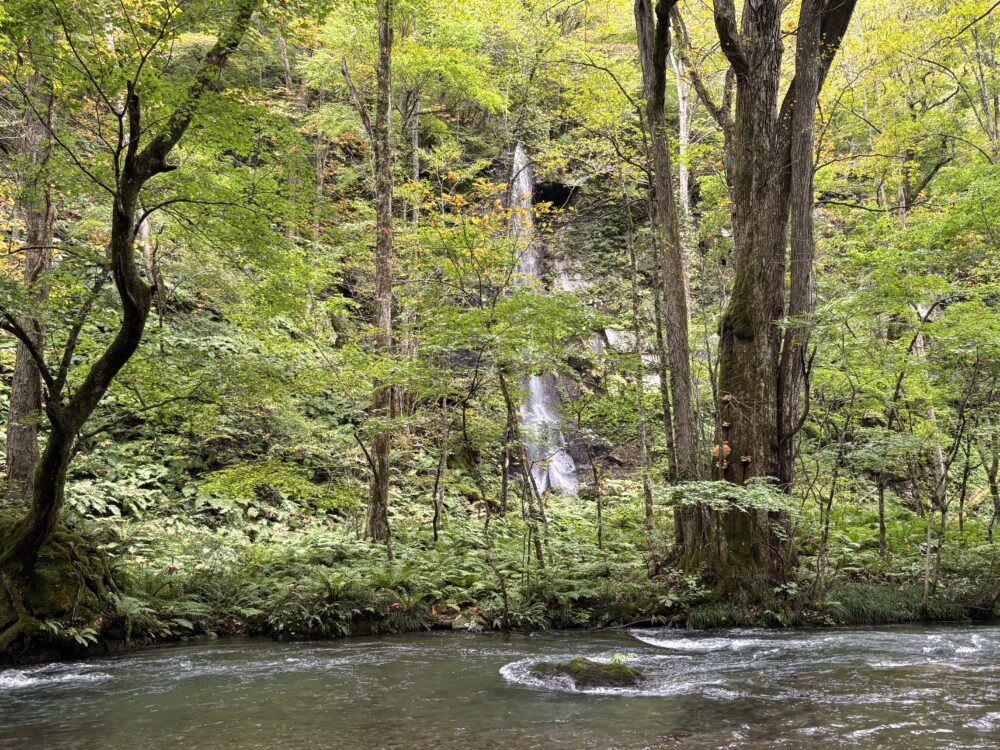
(590, 674)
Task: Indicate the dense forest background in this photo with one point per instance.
(269, 333)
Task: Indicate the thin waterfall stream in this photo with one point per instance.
(552, 468)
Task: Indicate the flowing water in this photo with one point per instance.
(551, 466)
(912, 688)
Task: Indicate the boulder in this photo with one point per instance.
(586, 673)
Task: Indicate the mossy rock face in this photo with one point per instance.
(591, 674)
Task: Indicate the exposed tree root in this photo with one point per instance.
(68, 590)
(25, 623)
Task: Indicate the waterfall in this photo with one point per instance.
(551, 466)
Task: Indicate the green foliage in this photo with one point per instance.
(756, 494)
(226, 472)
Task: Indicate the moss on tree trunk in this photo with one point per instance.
(67, 591)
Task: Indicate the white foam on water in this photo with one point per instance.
(520, 673)
(708, 645)
(17, 679)
(894, 664)
(976, 645)
(987, 723)
(869, 731)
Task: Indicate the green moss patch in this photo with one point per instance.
(586, 673)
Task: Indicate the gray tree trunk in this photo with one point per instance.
(769, 172)
(377, 526)
(34, 204)
(654, 43)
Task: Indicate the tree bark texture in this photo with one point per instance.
(769, 159)
(377, 525)
(653, 28)
(34, 203)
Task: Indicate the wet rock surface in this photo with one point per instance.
(588, 674)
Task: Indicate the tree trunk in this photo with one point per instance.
(749, 352)
(377, 522)
(663, 374)
(927, 564)
(989, 454)
(510, 430)
(994, 485)
(437, 496)
(35, 206)
(769, 173)
(26, 386)
(415, 146)
(683, 135)
(640, 387)
(881, 517)
(963, 489)
(415, 159)
(151, 259)
(654, 44)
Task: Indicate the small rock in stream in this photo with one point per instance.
(590, 674)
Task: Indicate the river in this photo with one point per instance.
(903, 687)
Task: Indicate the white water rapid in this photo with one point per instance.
(552, 467)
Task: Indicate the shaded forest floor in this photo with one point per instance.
(298, 575)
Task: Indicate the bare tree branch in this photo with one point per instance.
(358, 103)
(9, 323)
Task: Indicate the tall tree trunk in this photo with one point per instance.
(437, 495)
(939, 495)
(640, 384)
(963, 489)
(383, 406)
(749, 336)
(683, 135)
(662, 372)
(35, 206)
(802, 242)
(506, 456)
(881, 516)
(26, 385)
(415, 157)
(26, 388)
(653, 31)
(769, 172)
(377, 526)
(989, 454)
(415, 145)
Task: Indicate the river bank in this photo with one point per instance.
(111, 583)
(869, 604)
